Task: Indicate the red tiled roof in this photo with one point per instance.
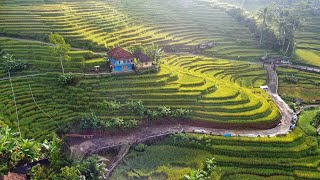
(15, 176)
(119, 53)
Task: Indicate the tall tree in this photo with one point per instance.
(264, 15)
(60, 48)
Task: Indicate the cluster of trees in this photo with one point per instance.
(89, 168)
(16, 151)
(91, 121)
(153, 52)
(209, 166)
(138, 108)
(274, 25)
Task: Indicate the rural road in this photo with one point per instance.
(272, 78)
(303, 68)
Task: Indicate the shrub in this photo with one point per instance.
(11, 64)
(137, 107)
(291, 79)
(66, 79)
(110, 105)
(316, 120)
(140, 147)
(180, 113)
(90, 121)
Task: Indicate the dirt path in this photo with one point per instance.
(272, 78)
(303, 68)
(122, 152)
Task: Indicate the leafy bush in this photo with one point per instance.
(90, 121)
(140, 147)
(66, 79)
(11, 64)
(202, 174)
(137, 107)
(91, 168)
(291, 79)
(110, 105)
(316, 120)
(180, 113)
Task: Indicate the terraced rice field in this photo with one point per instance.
(308, 41)
(294, 156)
(40, 59)
(307, 86)
(216, 90)
(98, 24)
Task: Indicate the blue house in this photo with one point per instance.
(120, 60)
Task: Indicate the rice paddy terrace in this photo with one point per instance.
(217, 90)
(307, 37)
(308, 46)
(174, 24)
(299, 84)
(295, 156)
(199, 83)
(226, 93)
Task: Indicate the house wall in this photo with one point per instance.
(146, 65)
(121, 65)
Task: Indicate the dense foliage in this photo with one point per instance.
(16, 151)
(11, 64)
(161, 112)
(60, 48)
(316, 120)
(202, 174)
(67, 79)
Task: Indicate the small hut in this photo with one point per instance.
(145, 61)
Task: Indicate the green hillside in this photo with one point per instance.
(97, 24)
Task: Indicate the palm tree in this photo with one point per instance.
(158, 54)
(265, 16)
